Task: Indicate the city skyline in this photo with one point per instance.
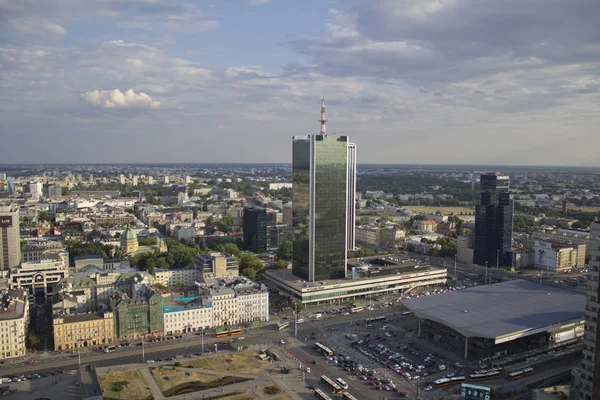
(188, 82)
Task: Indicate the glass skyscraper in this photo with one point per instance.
(320, 206)
(351, 196)
(255, 228)
(492, 242)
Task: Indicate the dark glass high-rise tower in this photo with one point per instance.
(492, 241)
(255, 228)
(320, 205)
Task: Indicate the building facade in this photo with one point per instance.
(557, 258)
(40, 278)
(252, 303)
(216, 265)
(139, 316)
(492, 242)
(10, 237)
(464, 248)
(320, 201)
(589, 387)
(187, 315)
(129, 241)
(225, 307)
(83, 330)
(14, 319)
(351, 206)
(172, 278)
(255, 228)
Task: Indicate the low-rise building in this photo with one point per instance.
(225, 306)
(427, 225)
(172, 278)
(558, 257)
(252, 302)
(82, 330)
(35, 250)
(14, 319)
(367, 236)
(187, 315)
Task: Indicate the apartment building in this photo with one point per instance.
(83, 330)
(252, 302)
(172, 278)
(225, 306)
(187, 315)
(14, 319)
(216, 265)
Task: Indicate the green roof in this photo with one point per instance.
(129, 233)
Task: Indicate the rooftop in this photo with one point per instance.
(502, 311)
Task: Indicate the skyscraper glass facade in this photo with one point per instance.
(255, 228)
(492, 241)
(320, 174)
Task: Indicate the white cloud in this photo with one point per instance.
(117, 99)
(257, 2)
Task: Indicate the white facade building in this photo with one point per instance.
(190, 319)
(39, 278)
(252, 303)
(225, 307)
(170, 277)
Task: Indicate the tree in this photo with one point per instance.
(230, 248)
(159, 286)
(119, 386)
(284, 252)
(32, 340)
(579, 225)
(179, 284)
(281, 264)
(43, 216)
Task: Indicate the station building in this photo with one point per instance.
(367, 276)
(500, 319)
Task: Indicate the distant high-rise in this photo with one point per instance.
(320, 205)
(10, 239)
(10, 183)
(493, 222)
(565, 206)
(255, 228)
(351, 196)
(589, 387)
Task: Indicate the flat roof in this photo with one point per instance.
(502, 311)
(376, 272)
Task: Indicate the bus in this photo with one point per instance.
(282, 325)
(477, 377)
(520, 373)
(442, 382)
(375, 319)
(342, 383)
(328, 352)
(110, 349)
(235, 331)
(348, 396)
(321, 395)
(493, 375)
(356, 309)
(334, 386)
(457, 379)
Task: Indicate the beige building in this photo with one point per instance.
(10, 237)
(216, 265)
(129, 241)
(172, 278)
(73, 331)
(225, 307)
(367, 236)
(427, 225)
(14, 319)
(35, 250)
(390, 237)
(39, 278)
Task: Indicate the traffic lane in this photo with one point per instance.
(113, 359)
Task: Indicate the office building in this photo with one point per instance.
(320, 202)
(14, 319)
(35, 190)
(464, 248)
(36, 250)
(10, 238)
(288, 213)
(493, 222)
(216, 265)
(10, 184)
(134, 181)
(351, 196)
(52, 191)
(40, 277)
(82, 330)
(122, 179)
(255, 228)
(589, 386)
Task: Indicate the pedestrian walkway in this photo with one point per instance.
(151, 383)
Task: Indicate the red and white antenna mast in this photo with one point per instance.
(323, 119)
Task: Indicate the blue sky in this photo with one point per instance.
(410, 81)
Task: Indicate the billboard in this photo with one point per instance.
(475, 392)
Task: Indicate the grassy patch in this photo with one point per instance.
(244, 363)
(124, 385)
(442, 209)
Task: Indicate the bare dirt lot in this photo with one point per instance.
(114, 385)
(243, 363)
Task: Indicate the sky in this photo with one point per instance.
(512, 82)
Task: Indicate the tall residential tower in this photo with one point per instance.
(320, 204)
(589, 387)
(10, 237)
(493, 222)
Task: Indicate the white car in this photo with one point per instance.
(149, 361)
(300, 320)
(282, 341)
